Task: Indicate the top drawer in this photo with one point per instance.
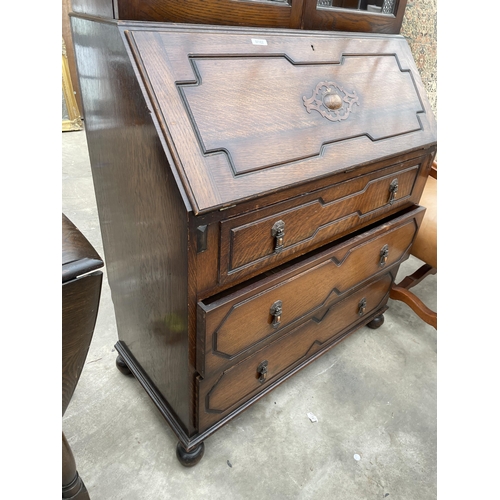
(258, 240)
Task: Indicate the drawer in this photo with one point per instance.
(225, 391)
(275, 234)
(231, 324)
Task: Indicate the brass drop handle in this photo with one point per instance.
(393, 190)
(362, 306)
(278, 233)
(276, 311)
(262, 371)
(384, 255)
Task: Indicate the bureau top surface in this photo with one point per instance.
(246, 112)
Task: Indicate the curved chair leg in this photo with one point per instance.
(415, 304)
(402, 293)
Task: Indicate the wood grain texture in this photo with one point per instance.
(237, 322)
(425, 247)
(171, 138)
(142, 215)
(73, 486)
(80, 304)
(264, 138)
(223, 391)
(414, 279)
(415, 303)
(81, 292)
(225, 12)
(191, 442)
(303, 14)
(341, 19)
(247, 242)
(221, 223)
(263, 119)
(78, 255)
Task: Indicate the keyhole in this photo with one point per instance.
(312, 47)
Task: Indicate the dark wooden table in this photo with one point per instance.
(81, 291)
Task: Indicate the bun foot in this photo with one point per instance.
(120, 364)
(189, 458)
(376, 322)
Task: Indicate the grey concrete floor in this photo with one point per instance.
(374, 396)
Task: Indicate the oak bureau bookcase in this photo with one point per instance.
(257, 191)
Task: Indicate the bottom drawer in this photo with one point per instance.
(224, 392)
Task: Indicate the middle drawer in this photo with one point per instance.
(234, 323)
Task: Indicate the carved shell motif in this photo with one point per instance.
(331, 101)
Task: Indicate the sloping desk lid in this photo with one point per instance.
(248, 112)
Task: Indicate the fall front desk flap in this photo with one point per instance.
(248, 112)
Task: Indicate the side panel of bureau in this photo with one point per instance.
(142, 216)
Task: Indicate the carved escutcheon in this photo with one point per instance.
(331, 101)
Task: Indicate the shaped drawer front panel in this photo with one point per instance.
(221, 393)
(287, 109)
(249, 243)
(273, 113)
(238, 321)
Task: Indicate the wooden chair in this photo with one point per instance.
(425, 249)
